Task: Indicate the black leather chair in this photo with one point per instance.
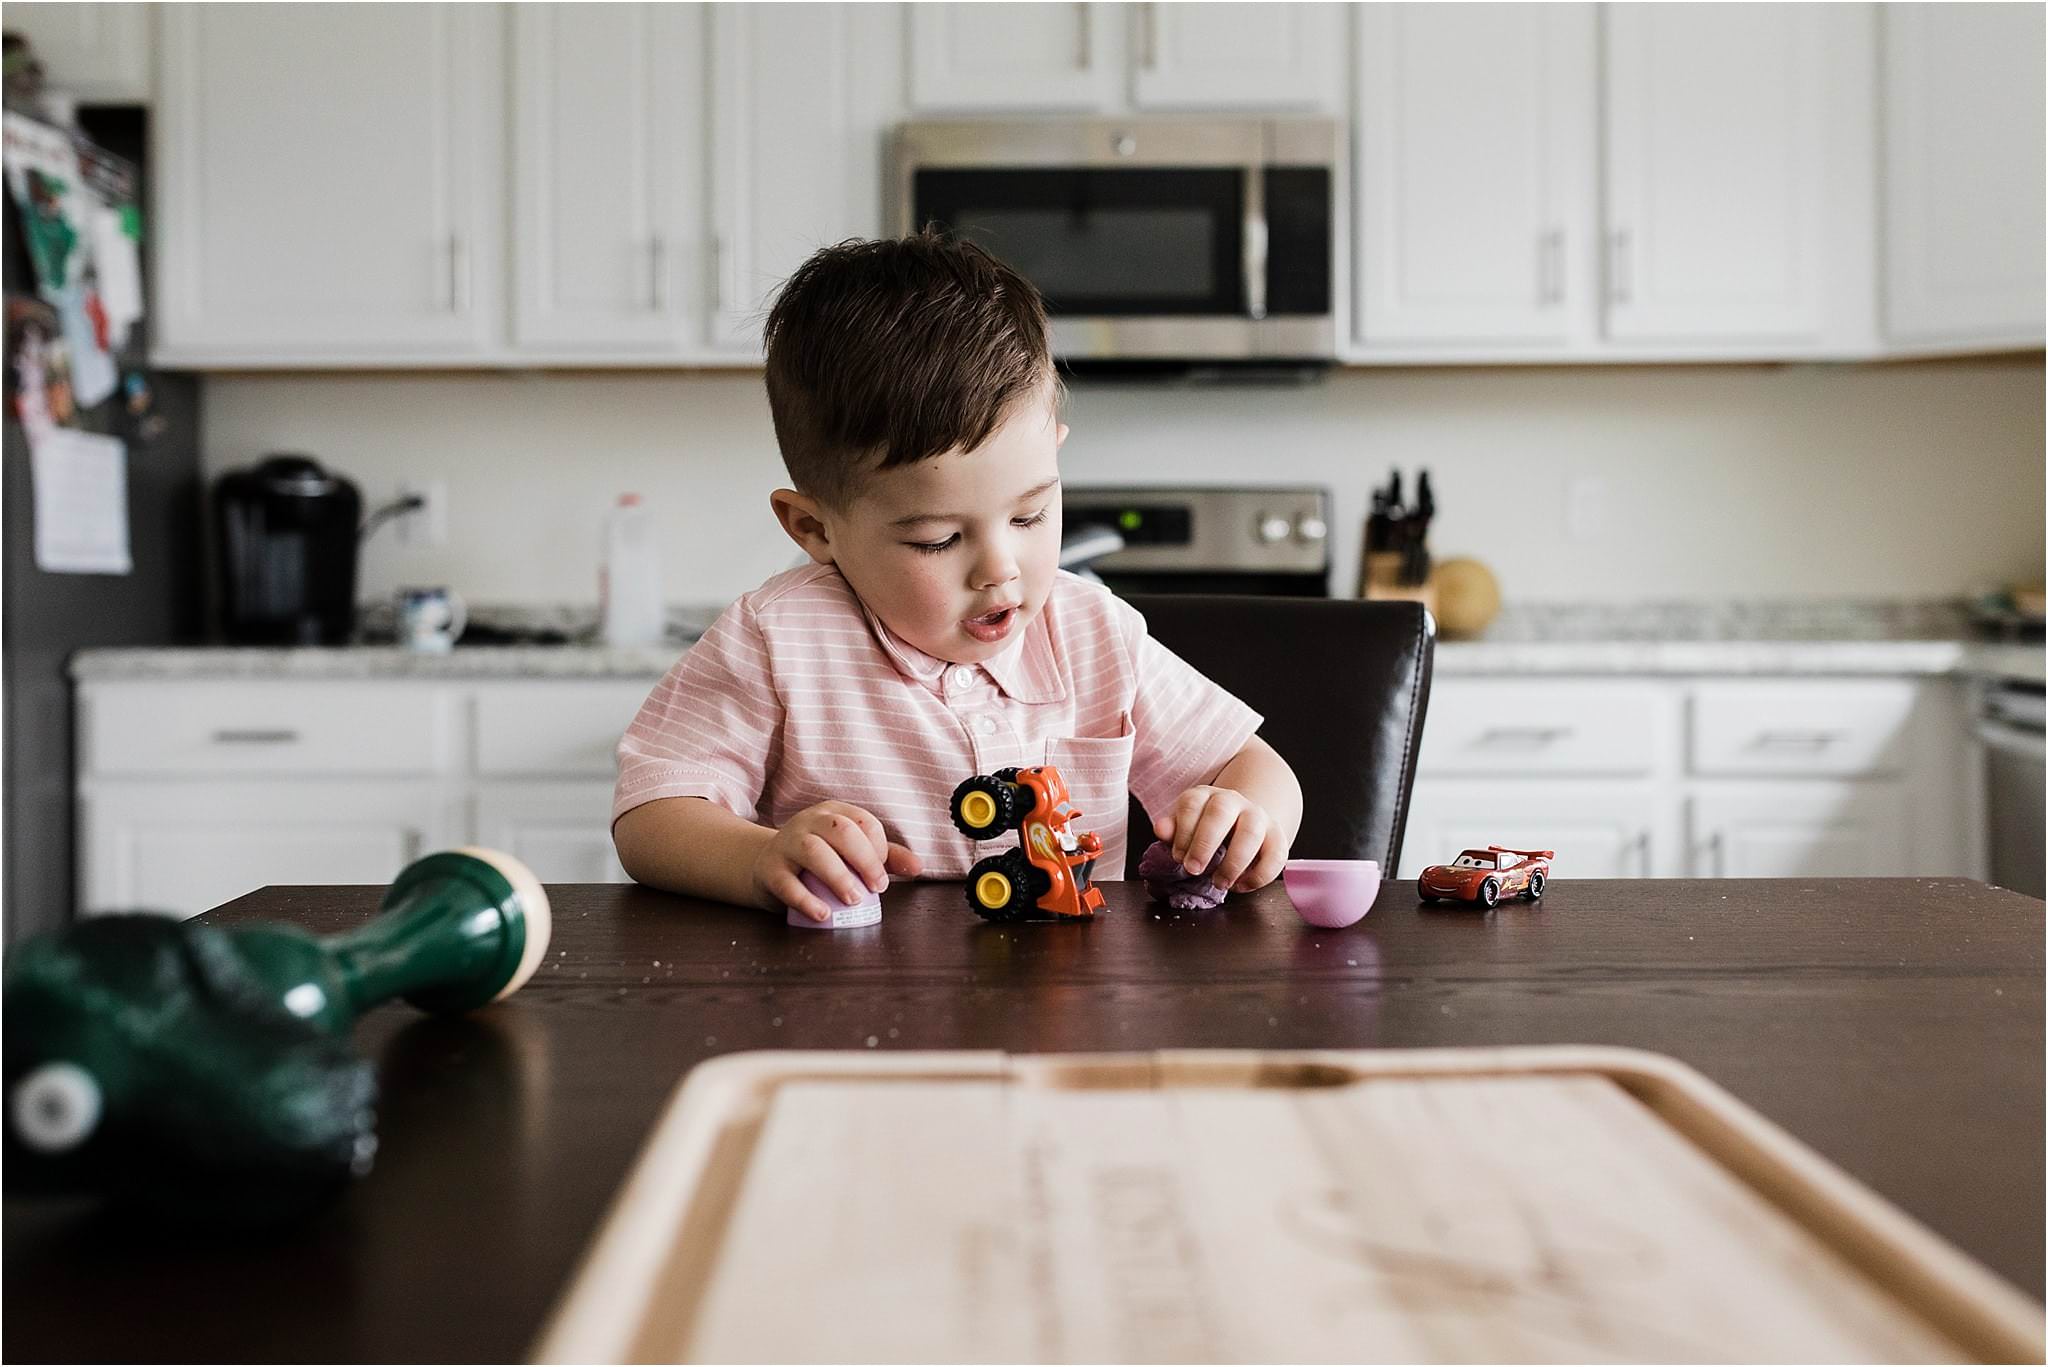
(1343, 686)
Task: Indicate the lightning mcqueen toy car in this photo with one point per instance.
(1485, 876)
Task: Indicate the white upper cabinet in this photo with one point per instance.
(1111, 57)
(1006, 55)
(1963, 184)
(798, 117)
(1475, 191)
(609, 220)
(1210, 56)
(329, 183)
(1716, 151)
(98, 52)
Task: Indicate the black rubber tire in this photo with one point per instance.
(1489, 892)
(1536, 882)
(1424, 893)
(1007, 797)
(1027, 885)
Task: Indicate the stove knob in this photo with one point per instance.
(1309, 529)
(1273, 527)
(1124, 143)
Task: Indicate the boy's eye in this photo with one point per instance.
(934, 547)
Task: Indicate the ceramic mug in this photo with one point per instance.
(430, 620)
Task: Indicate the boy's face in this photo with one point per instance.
(955, 554)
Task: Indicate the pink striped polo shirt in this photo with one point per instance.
(798, 695)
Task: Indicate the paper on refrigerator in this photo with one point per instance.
(81, 501)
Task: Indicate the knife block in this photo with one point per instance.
(1379, 576)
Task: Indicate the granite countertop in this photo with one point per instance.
(1820, 638)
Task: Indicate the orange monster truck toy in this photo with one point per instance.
(1046, 877)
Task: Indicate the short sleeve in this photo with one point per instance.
(1188, 727)
(710, 727)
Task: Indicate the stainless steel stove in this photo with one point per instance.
(1267, 540)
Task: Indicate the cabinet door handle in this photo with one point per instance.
(1716, 846)
(717, 275)
(1642, 848)
(1552, 266)
(256, 737)
(1523, 735)
(1800, 740)
(458, 274)
(1620, 267)
(657, 274)
(1084, 43)
(1151, 20)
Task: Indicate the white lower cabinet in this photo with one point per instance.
(192, 793)
(559, 830)
(1599, 830)
(184, 846)
(1697, 778)
(1801, 829)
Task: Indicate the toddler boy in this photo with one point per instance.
(824, 720)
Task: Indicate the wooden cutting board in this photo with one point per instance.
(1539, 1204)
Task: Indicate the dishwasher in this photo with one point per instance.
(2009, 727)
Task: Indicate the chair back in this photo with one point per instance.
(1343, 685)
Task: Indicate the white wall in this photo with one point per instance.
(1911, 481)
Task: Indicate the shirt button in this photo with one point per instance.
(988, 725)
(963, 675)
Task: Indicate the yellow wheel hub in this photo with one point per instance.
(992, 890)
(978, 809)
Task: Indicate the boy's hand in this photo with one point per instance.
(1205, 818)
(842, 846)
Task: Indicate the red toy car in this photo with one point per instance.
(1485, 876)
(1045, 878)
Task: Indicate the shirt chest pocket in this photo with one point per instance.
(1097, 771)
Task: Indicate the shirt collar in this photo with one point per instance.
(1025, 672)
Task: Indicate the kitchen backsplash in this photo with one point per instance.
(1617, 485)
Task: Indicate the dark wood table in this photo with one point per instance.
(1893, 1024)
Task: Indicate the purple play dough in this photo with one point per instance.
(1166, 880)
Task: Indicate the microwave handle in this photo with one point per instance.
(1255, 241)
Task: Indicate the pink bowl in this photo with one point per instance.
(1331, 893)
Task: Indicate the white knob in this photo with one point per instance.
(1125, 144)
(1309, 528)
(1273, 527)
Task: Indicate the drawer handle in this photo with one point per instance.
(1803, 740)
(255, 737)
(1524, 735)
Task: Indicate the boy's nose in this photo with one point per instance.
(995, 570)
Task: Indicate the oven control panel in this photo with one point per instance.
(1276, 530)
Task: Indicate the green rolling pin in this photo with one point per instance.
(205, 1072)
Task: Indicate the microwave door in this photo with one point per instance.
(1154, 242)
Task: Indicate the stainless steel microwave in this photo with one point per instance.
(1153, 239)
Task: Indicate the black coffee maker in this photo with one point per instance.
(288, 535)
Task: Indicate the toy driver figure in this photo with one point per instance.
(1088, 843)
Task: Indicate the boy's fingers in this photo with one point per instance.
(1244, 844)
(815, 853)
(1272, 858)
(902, 862)
(869, 826)
(1247, 843)
(1217, 819)
(861, 854)
(1187, 811)
(1162, 827)
(787, 886)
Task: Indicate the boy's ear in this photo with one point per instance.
(1061, 438)
(800, 517)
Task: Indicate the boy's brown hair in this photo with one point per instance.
(896, 351)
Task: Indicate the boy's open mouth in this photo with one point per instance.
(990, 626)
